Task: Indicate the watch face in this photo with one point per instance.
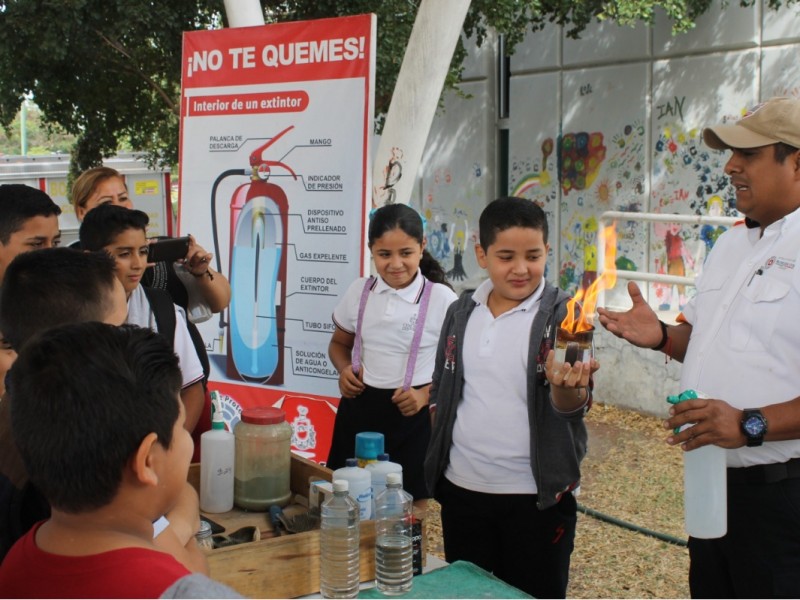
(754, 425)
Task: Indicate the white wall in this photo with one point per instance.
(612, 121)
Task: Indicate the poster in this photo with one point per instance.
(276, 122)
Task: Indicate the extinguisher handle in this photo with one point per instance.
(277, 163)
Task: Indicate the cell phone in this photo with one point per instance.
(168, 249)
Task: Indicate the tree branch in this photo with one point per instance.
(134, 68)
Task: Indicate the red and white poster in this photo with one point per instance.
(276, 122)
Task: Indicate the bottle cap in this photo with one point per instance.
(383, 457)
(369, 444)
(351, 462)
(263, 416)
(205, 530)
(341, 485)
(218, 422)
(394, 479)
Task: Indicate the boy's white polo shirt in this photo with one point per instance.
(388, 328)
(491, 436)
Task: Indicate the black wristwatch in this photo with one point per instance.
(754, 426)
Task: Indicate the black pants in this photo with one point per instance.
(405, 438)
(760, 555)
(507, 535)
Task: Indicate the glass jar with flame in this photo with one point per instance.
(575, 335)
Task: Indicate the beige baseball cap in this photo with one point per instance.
(773, 121)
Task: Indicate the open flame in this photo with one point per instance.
(581, 308)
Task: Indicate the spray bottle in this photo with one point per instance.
(217, 450)
(704, 484)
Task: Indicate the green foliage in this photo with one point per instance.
(108, 71)
(42, 138)
(102, 69)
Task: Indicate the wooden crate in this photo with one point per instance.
(278, 567)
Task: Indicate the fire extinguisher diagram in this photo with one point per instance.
(258, 232)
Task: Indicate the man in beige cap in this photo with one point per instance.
(739, 341)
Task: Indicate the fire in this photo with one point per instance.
(585, 301)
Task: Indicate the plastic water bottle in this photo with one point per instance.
(339, 574)
(378, 471)
(393, 547)
(360, 486)
(704, 485)
(217, 451)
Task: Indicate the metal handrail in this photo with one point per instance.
(615, 215)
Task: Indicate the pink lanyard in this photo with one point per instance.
(427, 288)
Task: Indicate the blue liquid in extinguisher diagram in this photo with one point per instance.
(254, 327)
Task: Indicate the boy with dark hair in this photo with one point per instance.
(46, 288)
(111, 454)
(28, 221)
(508, 434)
(42, 289)
(121, 232)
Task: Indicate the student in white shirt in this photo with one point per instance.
(384, 375)
(121, 232)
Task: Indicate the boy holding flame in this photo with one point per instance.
(508, 435)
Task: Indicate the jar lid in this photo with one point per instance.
(263, 416)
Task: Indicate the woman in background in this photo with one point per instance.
(101, 185)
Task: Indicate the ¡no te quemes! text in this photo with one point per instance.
(278, 55)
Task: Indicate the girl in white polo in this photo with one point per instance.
(384, 345)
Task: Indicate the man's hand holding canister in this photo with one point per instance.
(715, 422)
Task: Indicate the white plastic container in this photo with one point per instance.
(394, 568)
(378, 471)
(705, 488)
(360, 486)
(705, 492)
(339, 574)
(217, 451)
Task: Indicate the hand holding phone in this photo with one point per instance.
(168, 249)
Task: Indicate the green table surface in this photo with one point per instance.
(460, 579)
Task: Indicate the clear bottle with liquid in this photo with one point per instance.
(339, 541)
(393, 542)
(705, 482)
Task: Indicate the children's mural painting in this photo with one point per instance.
(578, 176)
(610, 122)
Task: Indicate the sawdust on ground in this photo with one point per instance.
(630, 474)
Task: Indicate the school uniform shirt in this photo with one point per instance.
(139, 313)
(388, 328)
(745, 343)
(481, 459)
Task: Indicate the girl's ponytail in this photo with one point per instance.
(432, 270)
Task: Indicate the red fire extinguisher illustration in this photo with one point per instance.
(258, 242)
